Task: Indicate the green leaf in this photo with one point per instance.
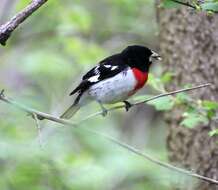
(213, 132)
(182, 98)
(210, 6)
(191, 120)
(167, 77)
(210, 105)
(155, 82)
(162, 104)
(169, 4)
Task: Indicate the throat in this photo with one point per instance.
(141, 78)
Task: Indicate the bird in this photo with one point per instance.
(114, 79)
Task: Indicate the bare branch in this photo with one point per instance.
(155, 161)
(7, 28)
(31, 111)
(64, 122)
(148, 100)
(184, 3)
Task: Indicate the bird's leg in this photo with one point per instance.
(104, 110)
(127, 105)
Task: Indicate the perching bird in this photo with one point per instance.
(114, 79)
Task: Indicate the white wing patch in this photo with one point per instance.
(113, 68)
(96, 71)
(94, 78)
(107, 66)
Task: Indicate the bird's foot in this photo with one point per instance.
(127, 105)
(104, 110)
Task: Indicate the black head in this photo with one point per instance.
(139, 56)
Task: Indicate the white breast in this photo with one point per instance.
(114, 89)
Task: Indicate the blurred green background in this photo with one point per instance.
(42, 63)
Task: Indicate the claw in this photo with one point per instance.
(127, 105)
(104, 110)
(2, 93)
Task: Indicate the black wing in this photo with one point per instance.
(107, 68)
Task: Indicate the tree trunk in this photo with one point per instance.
(189, 46)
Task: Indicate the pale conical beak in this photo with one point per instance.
(156, 56)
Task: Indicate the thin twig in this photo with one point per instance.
(184, 3)
(7, 28)
(31, 111)
(153, 160)
(147, 100)
(38, 129)
(117, 142)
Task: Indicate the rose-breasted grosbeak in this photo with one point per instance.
(114, 79)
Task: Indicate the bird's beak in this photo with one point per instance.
(156, 56)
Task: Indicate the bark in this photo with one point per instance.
(7, 28)
(189, 46)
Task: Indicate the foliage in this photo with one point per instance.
(195, 111)
(213, 132)
(169, 4)
(207, 5)
(44, 61)
(211, 5)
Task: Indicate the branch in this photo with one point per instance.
(148, 100)
(115, 141)
(184, 3)
(7, 28)
(31, 111)
(187, 4)
(155, 161)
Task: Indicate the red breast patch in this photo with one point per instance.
(141, 78)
